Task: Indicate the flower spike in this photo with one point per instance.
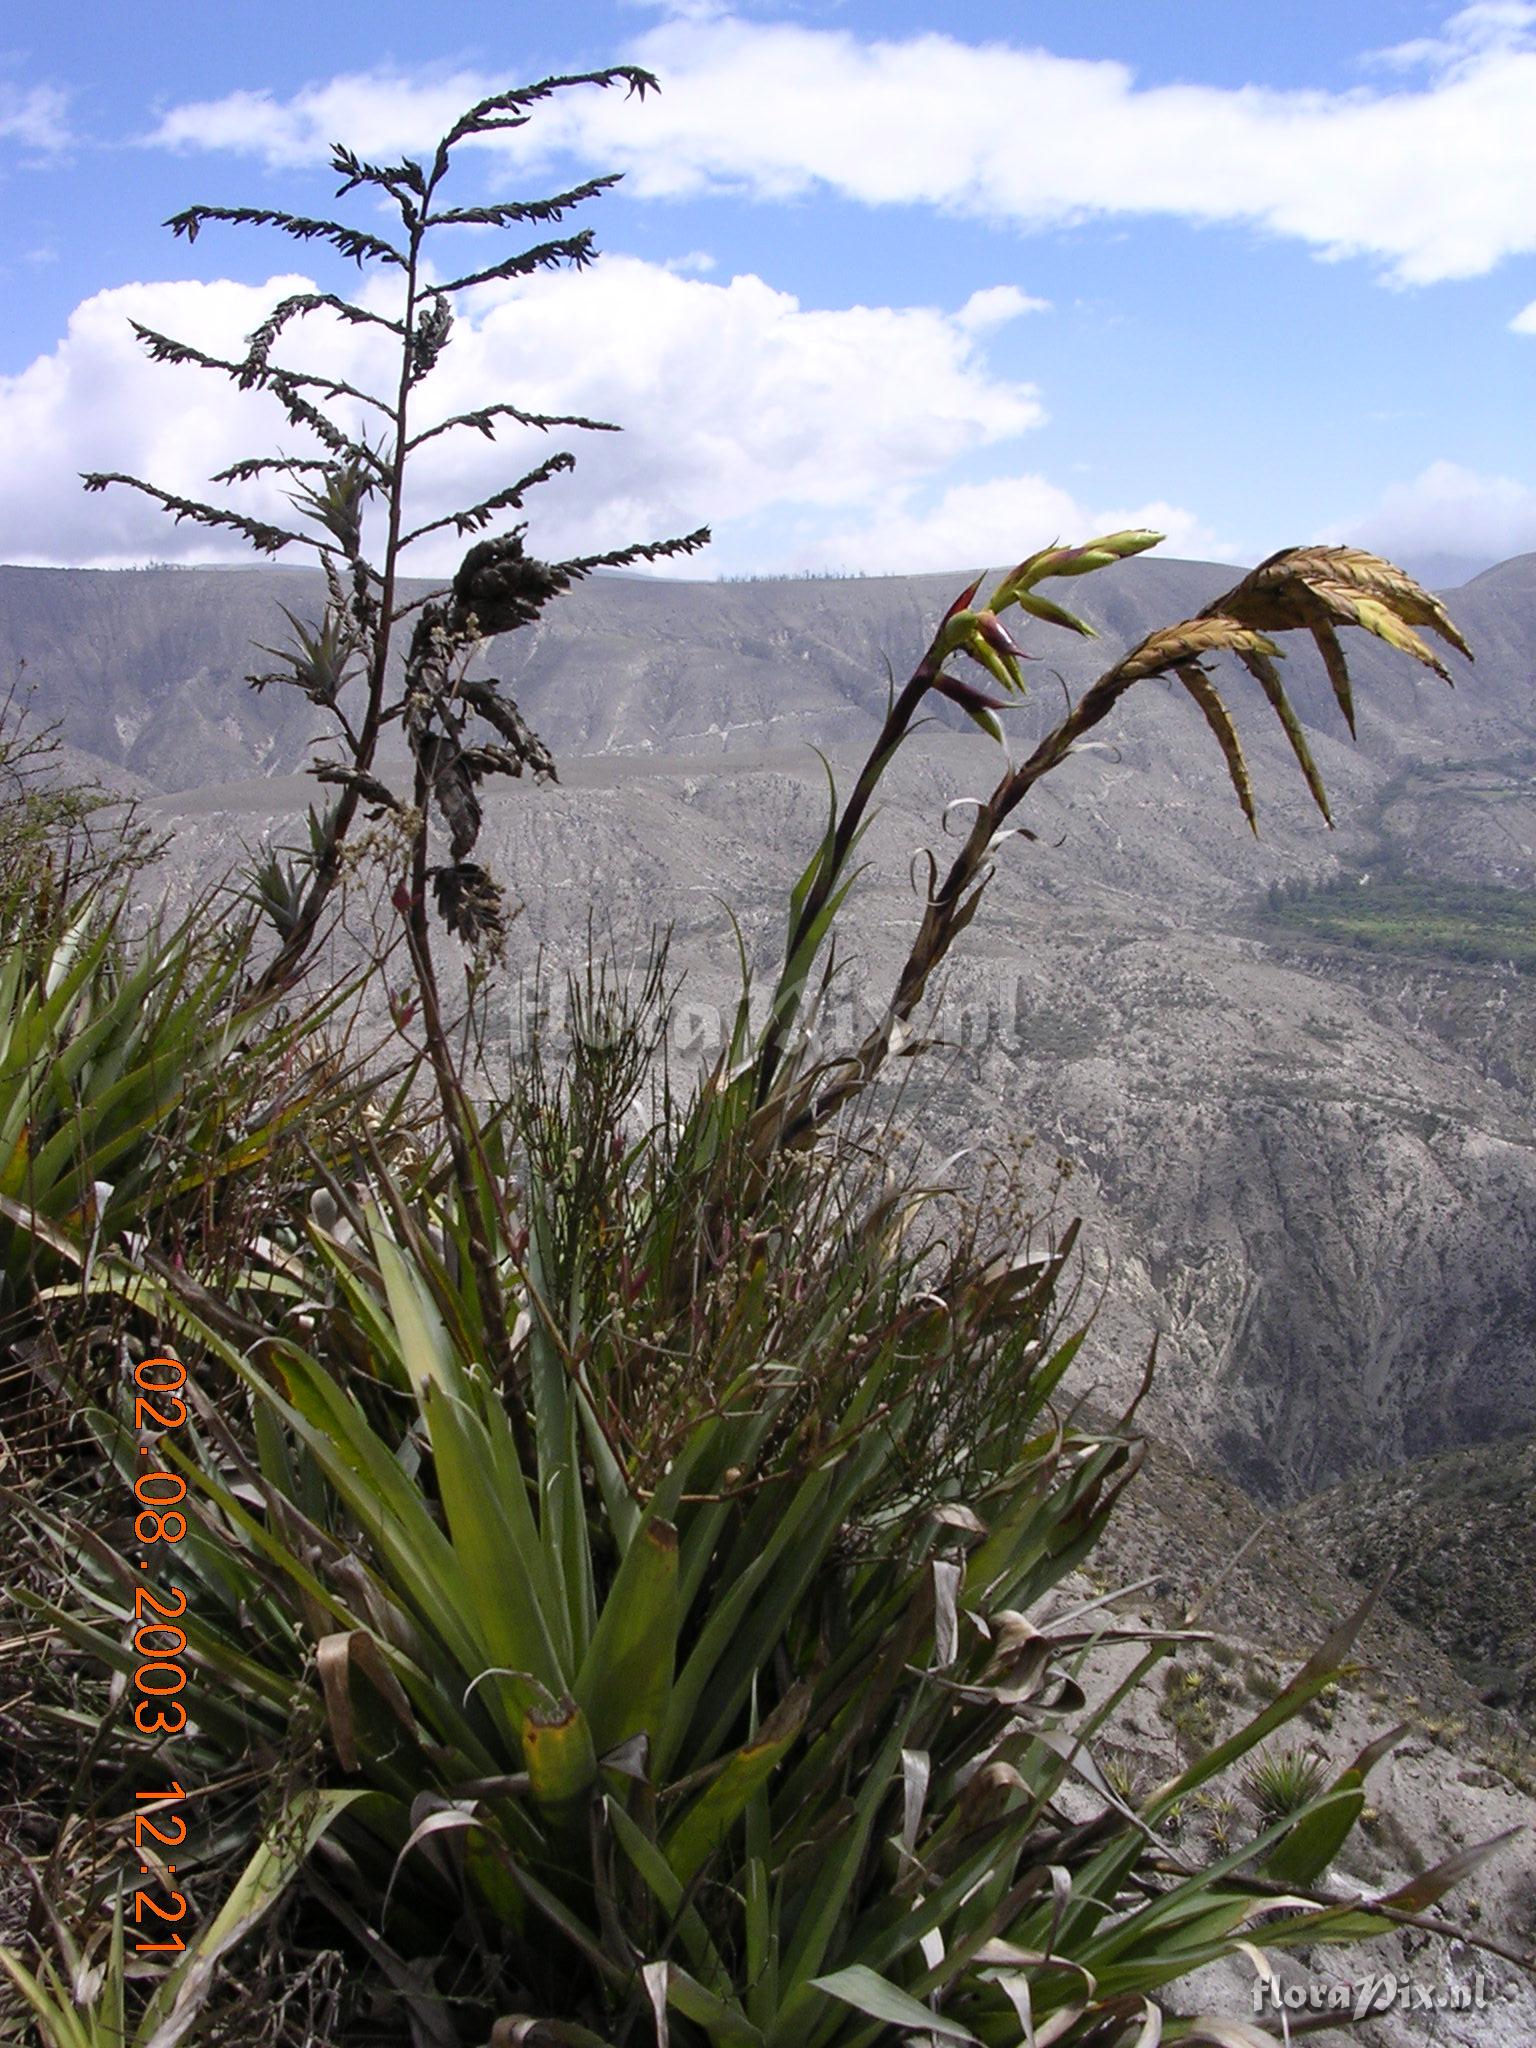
(1076, 561)
(985, 639)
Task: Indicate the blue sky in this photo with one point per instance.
(886, 287)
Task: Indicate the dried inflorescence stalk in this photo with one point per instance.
(348, 475)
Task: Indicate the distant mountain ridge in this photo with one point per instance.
(1312, 1168)
(145, 666)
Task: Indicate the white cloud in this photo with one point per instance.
(1448, 509)
(1524, 321)
(1486, 28)
(96, 402)
(375, 112)
(739, 406)
(1431, 179)
(992, 522)
(995, 305)
(34, 116)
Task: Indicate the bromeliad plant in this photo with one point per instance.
(129, 1081)
(712, 1669)
(720, 1685)
(672, 1527)
(665, 1509)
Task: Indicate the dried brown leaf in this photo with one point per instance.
(335, 1656)
(1379, 616)
(1320, 587)
(1219, 719)
(1338, 669)
(1263, 670)
(1377, 577)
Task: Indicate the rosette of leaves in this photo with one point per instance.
(131, 1069)
(713, 1679)
(671, 1532)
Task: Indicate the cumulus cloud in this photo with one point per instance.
(1449, 510)
(96, 402)
(376, 113)
(1429, 176)
(739, 405)
(969, 524)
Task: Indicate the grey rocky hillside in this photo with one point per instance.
(1309, 1163)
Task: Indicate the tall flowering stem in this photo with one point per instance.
(1315, 589)
(980, 635)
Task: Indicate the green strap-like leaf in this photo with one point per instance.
(504, 1580)
(283, 1851)
(704, 1825)
(559, 1758)
(1321, 1829)
(670, 1893)
(865, 1992)
(625, 1681)
(1319, 1670)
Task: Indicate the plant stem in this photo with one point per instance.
(291, 954)
(786, 1001)
(954, 903)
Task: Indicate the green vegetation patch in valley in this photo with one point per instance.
(1477, 923)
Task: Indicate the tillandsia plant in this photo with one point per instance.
(350, 489)
(725, 1682)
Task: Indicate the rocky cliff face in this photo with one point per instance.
(1457, 1537)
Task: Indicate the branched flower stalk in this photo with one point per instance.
(980, 635)
(499, 586)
